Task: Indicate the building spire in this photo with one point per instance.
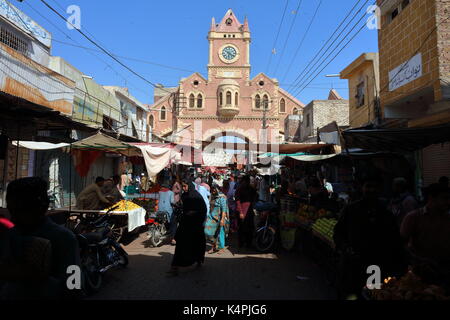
(229, 23)
(213, 24)
(334, 95)
(246, 27)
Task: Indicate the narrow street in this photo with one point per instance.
(320, 123)
(235, 274)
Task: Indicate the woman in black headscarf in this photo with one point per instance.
(190, 237)
(245, 197)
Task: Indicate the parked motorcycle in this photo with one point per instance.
(266, 234)
(99, 252)
(158, 228)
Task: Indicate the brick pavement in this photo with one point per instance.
(236, 274)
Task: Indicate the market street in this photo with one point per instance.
(232, 275)
(314, 134)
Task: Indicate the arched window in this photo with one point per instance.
(221, 99)
(151, 122)
(228, 97)
(236, 99)
(282, 106)
(191, 101)
(163, 114)
(295, 112)
(257, 101)
(199, 101)
(266, 101)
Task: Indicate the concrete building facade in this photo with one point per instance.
(319, 113)
(133, 114)
(363, 83)
(414, 47)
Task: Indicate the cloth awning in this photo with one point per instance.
(269, 171)
(271, 155)
(286, 148)
(219, 159)
(156, 159)
(184, 163)
(106, 143)
(396, 140)
(277, 158)
(313, 157)
(330, 137)
(33, 145)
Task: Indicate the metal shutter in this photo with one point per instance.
(436, 162)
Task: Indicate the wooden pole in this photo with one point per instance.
(70, 178)
(17, 151)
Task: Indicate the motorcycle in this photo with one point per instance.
(158, 228)
(99, 252)
(266, 234)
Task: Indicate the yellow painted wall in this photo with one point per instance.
(399, 41)
(362, 115)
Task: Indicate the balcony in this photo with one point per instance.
(228, 110)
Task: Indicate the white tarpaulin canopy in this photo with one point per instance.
(217, 159)
(33, 145)
(269, 171)
(156, 159)
(330, 137)
(310, 158)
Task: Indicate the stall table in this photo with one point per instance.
(122, 223)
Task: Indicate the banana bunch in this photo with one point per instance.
(125, 206)
(325, 227)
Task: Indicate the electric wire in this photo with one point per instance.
(276, 38)
(288, 36)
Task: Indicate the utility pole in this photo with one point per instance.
(264, 121)
(178, 103)
(175, 112)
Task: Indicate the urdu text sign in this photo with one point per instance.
(24, 22)
(406, 72)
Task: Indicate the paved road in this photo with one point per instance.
(236, 274)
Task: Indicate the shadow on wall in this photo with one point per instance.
(56, 167)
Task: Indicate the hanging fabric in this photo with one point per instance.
(83, 159)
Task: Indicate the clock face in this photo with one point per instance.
(229, 53)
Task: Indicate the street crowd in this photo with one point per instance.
(389, 233)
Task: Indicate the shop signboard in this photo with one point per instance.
(24, 23)
(406, 72)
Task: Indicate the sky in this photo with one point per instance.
(169, 38)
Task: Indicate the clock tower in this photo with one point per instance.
(229, 49)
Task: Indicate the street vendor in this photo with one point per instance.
(145, 183)
(92, 198)
(111, 189)
(427, 230)
(403, 201)
(367, 234)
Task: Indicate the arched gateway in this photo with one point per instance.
(228, 101)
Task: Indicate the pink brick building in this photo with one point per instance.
(228, 102)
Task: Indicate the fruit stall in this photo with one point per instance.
(310, 229)
(409, 287)
(127, 217)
